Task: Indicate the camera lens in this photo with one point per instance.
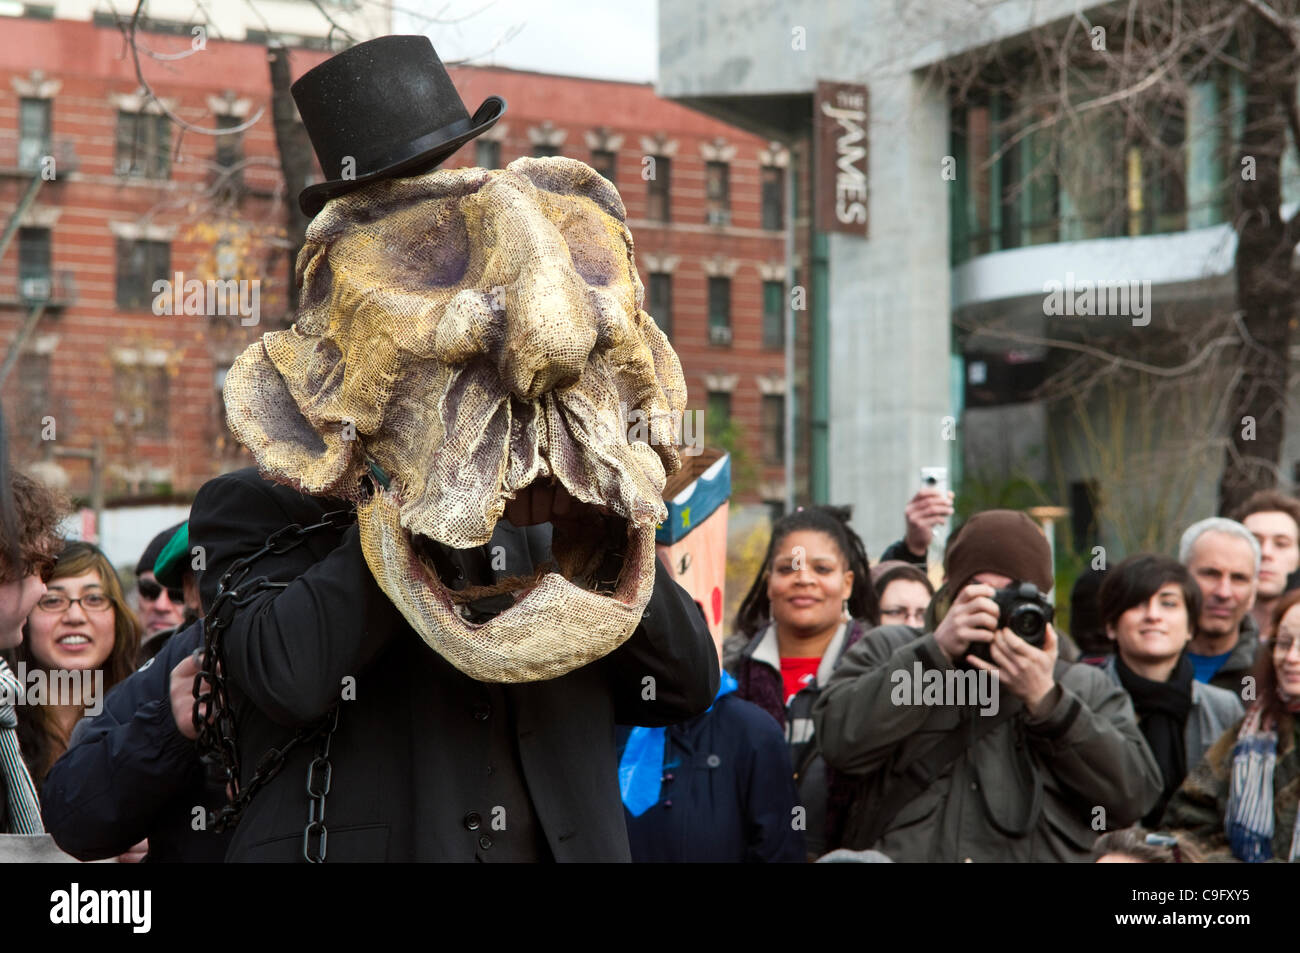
(1028, 622)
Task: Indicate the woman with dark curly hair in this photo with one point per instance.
(29, 515)
(811, 600)
(82, 624)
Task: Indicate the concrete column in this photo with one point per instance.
(889, 316)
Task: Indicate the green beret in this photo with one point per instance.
(174, 558)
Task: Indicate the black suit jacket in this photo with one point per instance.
(422, 747)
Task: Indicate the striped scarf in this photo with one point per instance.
(1248, 820)
(24, 808)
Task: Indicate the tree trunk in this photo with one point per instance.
(1265, 285)
(297, 160)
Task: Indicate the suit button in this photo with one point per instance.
(482, 712)
(473, 820)
(646, 614)
(460, 574)
(668, 776)
(668, 803)
(485, 842)
(974, 786)
(713, 761)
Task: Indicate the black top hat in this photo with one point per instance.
(382, 109)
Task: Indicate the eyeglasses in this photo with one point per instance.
(150, 589)
(1284, 645)
(909, 616)
(61, 601)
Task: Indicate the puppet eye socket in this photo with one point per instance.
(436, 256)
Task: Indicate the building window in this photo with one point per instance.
(719, 310)
(141, 399)
(658, 206)
(773, 424)
(542, 151)
(143, 146)
(604, 161)
(773, 314)
(34, 264)
(487, 154)
(773, 197)
(34, 394)
(717, 191)
(139, 265)
(718, 414)
(661, 301)
(33, 133)
(230, 152)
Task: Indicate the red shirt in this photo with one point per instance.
(798, 673)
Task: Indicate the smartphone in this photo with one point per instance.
(935, 478)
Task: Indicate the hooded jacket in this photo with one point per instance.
(1086, 752)
(427, 764)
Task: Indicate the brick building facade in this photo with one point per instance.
(132, 198)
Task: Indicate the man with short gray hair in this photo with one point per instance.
(1223, 557)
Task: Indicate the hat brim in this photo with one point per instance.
(314, 197)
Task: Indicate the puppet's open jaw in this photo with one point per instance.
(555, 626)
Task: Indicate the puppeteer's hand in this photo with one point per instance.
(542, 503)
(182, 696)
(539, 503)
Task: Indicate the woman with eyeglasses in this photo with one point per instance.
(1241, 802)
(904, 590)
(81, 624)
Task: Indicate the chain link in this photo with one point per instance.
(314, 835)
(217, 735)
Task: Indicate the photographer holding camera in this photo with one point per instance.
(1031, 778)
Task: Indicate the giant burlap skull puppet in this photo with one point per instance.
(462, 335)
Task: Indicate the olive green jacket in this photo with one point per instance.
(1095, 768)
(1197, 808)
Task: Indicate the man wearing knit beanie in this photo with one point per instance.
(945, 780)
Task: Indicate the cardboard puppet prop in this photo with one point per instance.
(462, 335)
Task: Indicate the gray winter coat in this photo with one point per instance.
(1214, 711)
(1095, 769)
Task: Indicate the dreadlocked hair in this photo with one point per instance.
(756, 609)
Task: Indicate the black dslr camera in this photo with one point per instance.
(1022, 609)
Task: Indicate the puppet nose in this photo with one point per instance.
(550, 329)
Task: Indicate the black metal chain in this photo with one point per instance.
(314, 835)
(216, 735)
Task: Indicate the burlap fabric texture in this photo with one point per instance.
(469, 332)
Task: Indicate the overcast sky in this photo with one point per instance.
(613, 39)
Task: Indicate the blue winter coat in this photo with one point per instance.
(727, 796)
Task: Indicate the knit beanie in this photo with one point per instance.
(1001, 541)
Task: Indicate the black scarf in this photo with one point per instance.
(1162, 709)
